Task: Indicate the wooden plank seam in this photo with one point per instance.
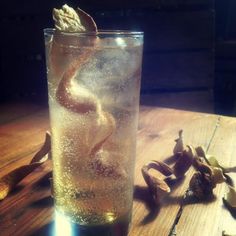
(173, 230)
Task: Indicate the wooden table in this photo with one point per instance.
(28, 209)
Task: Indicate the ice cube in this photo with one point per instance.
(109, 67)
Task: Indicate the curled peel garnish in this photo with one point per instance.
(10, 180)
(75, 97)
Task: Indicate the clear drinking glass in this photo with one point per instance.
(93, 88)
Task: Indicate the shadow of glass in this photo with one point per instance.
(71, 229)
(43, 202)
(44, 181)
(16, 189)
(46, 230)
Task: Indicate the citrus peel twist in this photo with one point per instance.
(75, 97)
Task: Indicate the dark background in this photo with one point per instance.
(190, 45)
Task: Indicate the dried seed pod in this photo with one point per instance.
(199, 165)
(191, 151)
(206, 179)
(230, 197)
(201, 185)
(214, 162)
(218, 176)
(10, 180)
(179, 146)
(224, 233)
(182, 164)
(44, 150)
(200, 151)
(157, 187)
(161, 167)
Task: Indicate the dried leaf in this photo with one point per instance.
(10, 180)
(179, 146)
(87, 21)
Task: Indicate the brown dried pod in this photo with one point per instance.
(161, 167)
(157, 187)
(44, 150)
(218, 176)
(179, 146)
(10, 180)
(201, 185)
(199, 165)
(230, 197)
(183, 163)
(205, 180)
(200, 151)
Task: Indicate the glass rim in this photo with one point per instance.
(100, 32)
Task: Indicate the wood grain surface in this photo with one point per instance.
(28, 210)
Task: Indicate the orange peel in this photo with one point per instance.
(11, 179)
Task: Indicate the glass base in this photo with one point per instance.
(64, 227)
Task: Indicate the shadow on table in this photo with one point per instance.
(43, 202)
(46, 230)
(53, 229)
(142, 194)
(44, 181)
